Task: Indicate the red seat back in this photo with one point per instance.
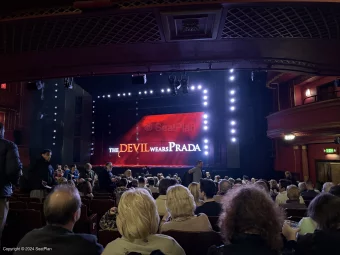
(195, 243)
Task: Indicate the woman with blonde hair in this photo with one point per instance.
(194, 188)
(137, 222)
(181, 208)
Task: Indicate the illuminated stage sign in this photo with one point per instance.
(143, 147)
(330, 151)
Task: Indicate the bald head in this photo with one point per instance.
(327, 186)
(62, 206)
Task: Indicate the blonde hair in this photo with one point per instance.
(180, 202)
(194, 188)
(293, 193)
(137, 215)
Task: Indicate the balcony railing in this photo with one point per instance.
(322, 97)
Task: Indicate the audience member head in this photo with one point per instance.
(151, 181)
(59, 167)
(309, 185)
(207, 188)
(194, 188)
(232, 181)
(128, 173)
(140, 222)
(164, 184)
(245, 178)
(62, 206)
(88, 167)
(180, 202)
(207, 174)
(73, 168)
(273, 184)
(217, 178)
(327, 186)
(134, 183)
(288, 175)
(263, 184)
(122, 183)
(293, 193)
(141, 181)
(283, 184)
(253, 180)
(46, 154)
(66, 168)
(224, 186)
(238, 181)
(2, 130)
(302, 186)
(108, 166)
(335, 190)
(248, 209)
(324, 209)
(156, 180)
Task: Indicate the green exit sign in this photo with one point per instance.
(330, 151)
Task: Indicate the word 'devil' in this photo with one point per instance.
(143, 147)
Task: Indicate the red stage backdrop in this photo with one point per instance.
(163, 140)
(2, 117)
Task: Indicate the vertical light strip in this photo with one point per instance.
(232, 103)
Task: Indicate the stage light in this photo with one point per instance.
(55, 113)
(54, 131)
(162, 90)
(192, 87)
(92, 132)
(231, 70)
(92, 143)
(123, 94)
(55, 119)
(205, 146)
(205, 122)
(94, 101)
(55, 107)
(151, 91)
(103, 96)
(129, 94)
(92, 127)
(232, 100)
(108, 96)
(232, 108)
(232, 92)
(55, 96)
(53, 143)
(139, 93)
(205, 116)
(98, 96)
(205, 140)
(56, 90)
(93, 106)
(289, 137)
(118, 95)
(233, 139)
(56, 84)
(168, 90)
(233, 131)
(145, 92)
(199, 86)
(206, 153)
(53, 137)
(205, 127)
(232, 78)
(92, 122)
(205, 97)
(205, 103)
(233, 122)
(92, 111)
(205, 91)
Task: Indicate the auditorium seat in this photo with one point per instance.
(106, 236)
(29, 199)
(296, 214)
(18, 224)
(38, 207)
(17, 205)
(213, 221)
(101, 206)
(86, 223)
(195, 242)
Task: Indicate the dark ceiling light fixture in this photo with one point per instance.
(68, 83)
(184, 82)
(172, 80)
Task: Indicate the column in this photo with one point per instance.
(304, 160)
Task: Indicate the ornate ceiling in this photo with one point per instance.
(168, 35)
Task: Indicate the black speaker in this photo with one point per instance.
(17, 134)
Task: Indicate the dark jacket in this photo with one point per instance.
(41, 171)
(60, 240)
(211, 208)
(247, 244)
(320, 242)
(309, 194)
(10, 167)
(105, 182)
